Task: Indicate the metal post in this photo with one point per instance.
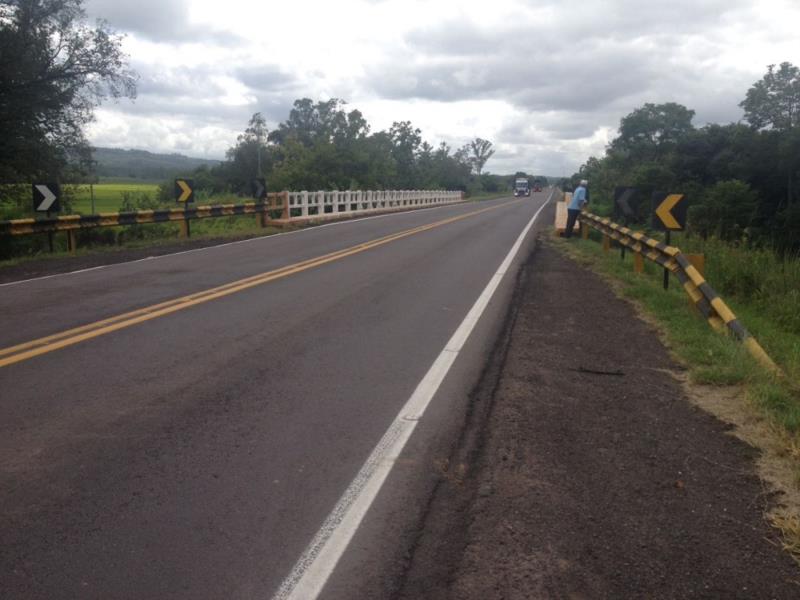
(666, 271)
(50, 236)
(622, 246)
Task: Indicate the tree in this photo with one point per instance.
(774, 101)
(726, 210)
(54, 70)
(247, 159)
(406, 141)
(652, 131)
(481, 151)
(311, 123)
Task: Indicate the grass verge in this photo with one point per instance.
(722, 377)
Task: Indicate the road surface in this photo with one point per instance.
(182, 427)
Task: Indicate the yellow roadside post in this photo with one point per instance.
(638, 262)
(72, 242)
(606, 243)
(184, 232)
(584, 231)
(698, 261)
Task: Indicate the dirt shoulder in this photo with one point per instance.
(594, 476)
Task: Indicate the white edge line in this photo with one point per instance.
(214, 246)
(315, 565)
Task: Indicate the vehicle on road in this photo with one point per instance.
(522, 187)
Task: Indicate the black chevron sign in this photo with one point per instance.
(45, 197)
(626, 203)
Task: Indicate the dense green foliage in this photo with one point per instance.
(740, 178)
(324, 146)
(54, 70)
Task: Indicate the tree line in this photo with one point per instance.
(56, 68)
(324, 146)
(741, 178)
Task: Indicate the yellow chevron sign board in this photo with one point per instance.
(184, 190)
(669, 211)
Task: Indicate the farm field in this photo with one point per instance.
(108, 196)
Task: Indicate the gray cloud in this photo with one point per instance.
(599, 55)
(569, 69)
(593, 77)
(265, 78)
(190, 96)
(157, 20)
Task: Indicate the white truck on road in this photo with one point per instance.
(522, 187)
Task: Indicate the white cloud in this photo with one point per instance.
(546, 80)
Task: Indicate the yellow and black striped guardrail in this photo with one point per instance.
(710, 305)
(71, 223)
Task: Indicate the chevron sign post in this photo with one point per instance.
(669, 214)
(45, 200)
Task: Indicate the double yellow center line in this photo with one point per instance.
(21, 352)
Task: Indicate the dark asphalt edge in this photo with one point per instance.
(106, 256)
(440, 539)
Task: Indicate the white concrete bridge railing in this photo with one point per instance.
(333, 204)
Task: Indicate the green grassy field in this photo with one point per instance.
(108, 196)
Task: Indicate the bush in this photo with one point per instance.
(726, 210)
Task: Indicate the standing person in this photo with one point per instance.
(579, 198)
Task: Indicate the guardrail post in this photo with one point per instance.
(72, 242)
(286, 213)
(606, 243)
(698, 261)
(584, 231)
(638, 262)
(185, 231)
(261, 215)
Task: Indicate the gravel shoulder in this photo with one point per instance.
(592, 475)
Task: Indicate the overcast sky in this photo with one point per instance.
(546, 81)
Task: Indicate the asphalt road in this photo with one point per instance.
(196, 454)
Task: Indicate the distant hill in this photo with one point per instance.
(116, 163)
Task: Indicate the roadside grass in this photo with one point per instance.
(711, 358)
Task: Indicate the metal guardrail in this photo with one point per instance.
(295, 207)
(275, 201)
(703, 296)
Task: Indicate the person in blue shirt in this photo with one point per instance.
(579, 198)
